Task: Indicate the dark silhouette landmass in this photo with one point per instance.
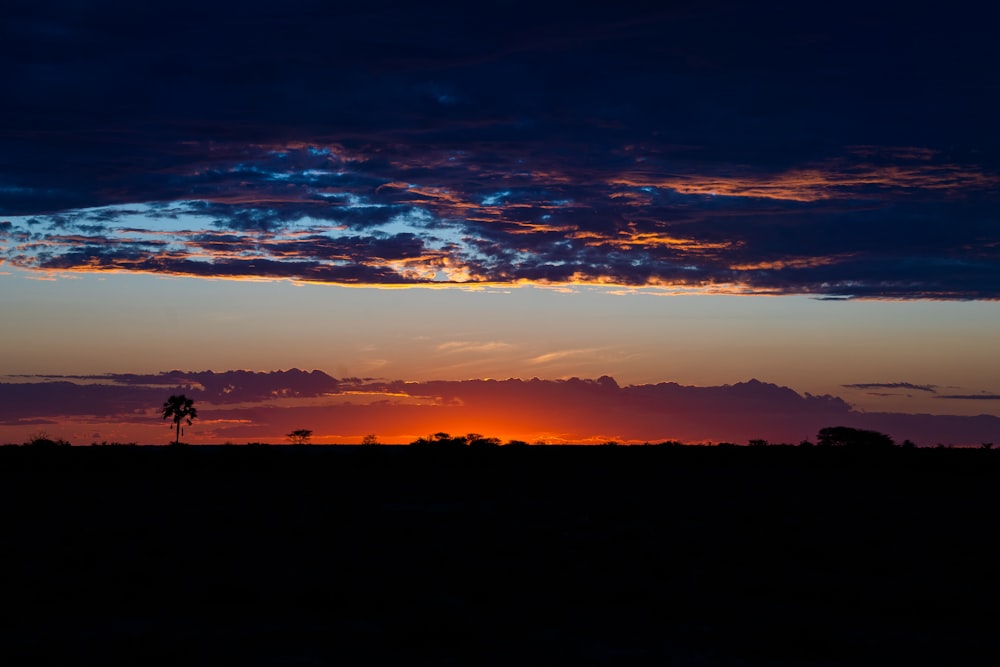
(455, 553)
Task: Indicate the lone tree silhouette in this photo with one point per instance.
(179, 408)
(300, 436)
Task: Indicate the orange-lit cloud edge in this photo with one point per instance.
(547, 228)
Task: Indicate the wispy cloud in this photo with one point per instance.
(930, 388)
(473, 346)
(971, 397)
(561, 355)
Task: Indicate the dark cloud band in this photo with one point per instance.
(540, 142)
(329, 215)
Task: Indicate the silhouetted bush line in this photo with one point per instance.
(59, 454)
(764, 555)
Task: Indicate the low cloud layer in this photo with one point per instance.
(972, 397)
(909, 386)
(242, 406)
(391, 145)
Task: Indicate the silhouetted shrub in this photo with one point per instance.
(482, 442)
(845, 436)
(41, 439)
(440, 441)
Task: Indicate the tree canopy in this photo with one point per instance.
(179, 408)
(299, 436)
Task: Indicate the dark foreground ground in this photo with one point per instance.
(583, 556)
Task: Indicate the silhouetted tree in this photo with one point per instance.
(757, 442)
(370, 440)
(179, 408)
(845, 436)
(299, 436)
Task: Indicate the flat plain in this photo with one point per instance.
(512, 555)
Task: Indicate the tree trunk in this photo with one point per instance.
(178, 440)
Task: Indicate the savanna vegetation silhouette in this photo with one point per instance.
(42, 440)
(180, 409)
(442, 441)
(465, 550)
(299, 436)
(845, 436)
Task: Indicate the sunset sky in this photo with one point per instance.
(665, 201)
